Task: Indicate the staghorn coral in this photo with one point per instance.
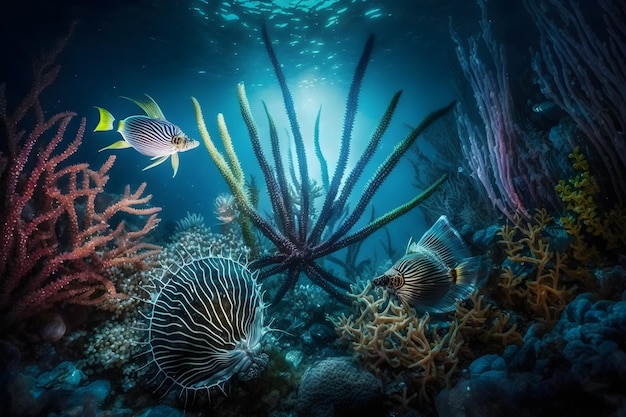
(398, 345)
(535, 277)
(594, 229)
(484, 323)
(414, 357)
(299, 245)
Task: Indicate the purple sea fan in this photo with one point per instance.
(206, 324)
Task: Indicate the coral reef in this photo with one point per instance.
(489, 138)
(112, 343)
(186, 326)
(536, 277)
(386, 337)
(593, 227)
(579, 67)
(416, 356)
(57, 233)
(484, 327)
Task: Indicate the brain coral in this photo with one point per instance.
(338, 387)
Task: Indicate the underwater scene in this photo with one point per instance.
(313, 208)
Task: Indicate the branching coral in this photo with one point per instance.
(586, 220)
(396, 343)
(408, 350)
(536, 277)
(57, 239)
(483, 322)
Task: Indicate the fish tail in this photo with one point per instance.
(467, 278)
(105, 121)
(468, 271)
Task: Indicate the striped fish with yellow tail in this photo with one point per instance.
(151, 135)
(435, 272)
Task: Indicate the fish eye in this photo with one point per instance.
(178, 140)
(396, 281)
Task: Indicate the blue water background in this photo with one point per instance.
(175, 50)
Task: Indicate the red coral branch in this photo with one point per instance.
(55, 243)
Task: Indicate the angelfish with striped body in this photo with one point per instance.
(152, 135)
(435, 272)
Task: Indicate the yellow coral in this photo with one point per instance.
(487, 324)
(551, 282)
(397, 344)
(393, 341)
(584, 221)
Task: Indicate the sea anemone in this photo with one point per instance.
(225, 210)
(190, 221)
(206, 324)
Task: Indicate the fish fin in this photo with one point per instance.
(448, 302)
(149, 106)
(175, 162)
(120, 144)
(411, 247)
(157, 162)
(443, 240)
(105, 120)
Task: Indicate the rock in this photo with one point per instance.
(64, 376)
(161, 411)
(91, 396)
(294, 357)
(338, 386)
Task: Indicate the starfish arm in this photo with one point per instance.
(297, 137)
(330, 247)
(318, 151)
(328, 282)
(383, 172)
(348, 126)
(358, 168)
(281, 200)
(289, 282)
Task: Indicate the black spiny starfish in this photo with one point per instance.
(299, 242)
